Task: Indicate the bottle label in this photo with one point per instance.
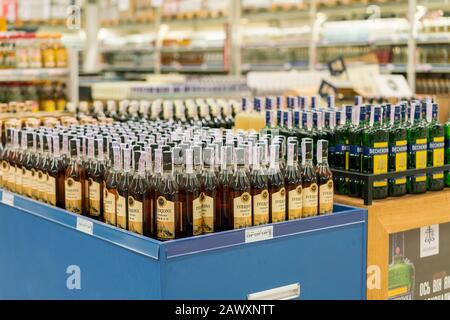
(121, 218)
(33, 183)
(379, 153)
(42, 185)
(135, 216)
(51, 190)
(437, 176)
(94, 198)
(279, 205)
(295, 205)
(165, 218)
(242, 206)
(420, 151)
(400, 181)
(261, 208)
(437, 145)
(355, 150)
(326, 197)
(109, 203)
(12, 177)
(5, 170)
(310, 200)
(341, 148)
(197, 227)
(400, 151)
(207, 203)
(419, 178)
(27, 182)
(73, 195)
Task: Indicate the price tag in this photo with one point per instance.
(258, 234)
(8, 198)
(85, 226)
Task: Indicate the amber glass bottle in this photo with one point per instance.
(310, 190)
(225, 176)
(293, 184)
(277, 192)
(324, 178)
(95, 180)
(208, 193)
(122, 188)
(55, 182)
(28, 166)
(34, 184)
(259, 191)
(74, 180)
(168, 222)
(111, 194)
(137, 219)
(190, 207)
(42, 168)
(240, 198)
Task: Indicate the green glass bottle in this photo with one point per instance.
(417, 150)
(329, 117)
(341, 149)
(375, 153)
(436, 148)
(355, 148)
(398, 147)
(447, 151)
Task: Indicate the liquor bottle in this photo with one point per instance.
(293, 185)
(5, 159)
(341, 149)
(190, 206)
(310, 190)
(18, 162)
(34, 185)
(27, 167)
(122, 188)
(95, 181)
(74, 180)
(355, 148)
(111, 193)
(137, 216)
(13, 158)
(259, 190)
(375, 153)
(447, 152)
(178, 160)
(152, 187)
(240, 195)
(398, 147)
(225, 177)
(417, 150)
(436, 148)
(56, 176)
(198, 161)
(42, 168)
(209, 192)
(324, 179)
(168, 222)
(277, 192)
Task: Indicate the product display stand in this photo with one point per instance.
(49, 253)
(405, 215)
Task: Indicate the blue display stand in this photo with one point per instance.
(49, 253)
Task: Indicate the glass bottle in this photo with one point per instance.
(225, 177)
(447, 152)
(341, 149)
(168, 223)
(122, 188)
(356, 146)
(28, 166)
(324, 179)
(137, 216)
(277, 192)
(74, 180)
(310, 190)
(151, 195)
(293, 185)
(240, 195)
(56, 175)
(18, 162)
(208, 195)
(417, 150)
(375, 153)
(111, 193)
(95, 181)
(259, 189)
(41, 168)
(34, 183)
(398, 147)
(436, 148)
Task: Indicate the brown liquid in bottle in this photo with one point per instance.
(34, 167)
(240, 200)
(225, 177)
(277, 192)
(325, 178)
(309, 181)
(208, 196)
(28, 167)
(260, 190)
(168, 220)
(111, 194)
(137, 219)
(42, 169)
(293, 185)
(95, 181)
(74, 183)
(122, 189)
(150, 195)
(56, 172)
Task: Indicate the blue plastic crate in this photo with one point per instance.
(40, 246)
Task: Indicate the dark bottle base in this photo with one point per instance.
(341, 185)
(435, 184)
(355, 188)
(379, 193)
(397, 190)
(416, 187)
(447, 179)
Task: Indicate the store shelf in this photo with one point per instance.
(193, 68)
(315, 254)
(38, 114)
(191, 49)
(420, 68)
(7, 75)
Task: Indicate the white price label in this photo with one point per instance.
(258, 234)
(85, 226)
(8, 198)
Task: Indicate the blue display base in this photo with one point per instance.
(44, 256)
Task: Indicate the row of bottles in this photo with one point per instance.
(212, 113)
(166, 180)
